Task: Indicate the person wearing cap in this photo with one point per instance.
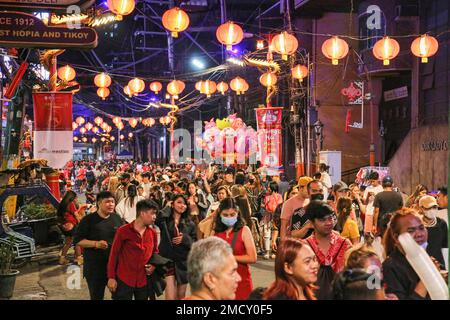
(385, 202)
(125, 181)
(339, 190)
(292, 205)
(436, 227)
(328, 246)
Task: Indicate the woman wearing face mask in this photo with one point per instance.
(230, 227)
(296, 269)
(436, 227)
(399, 275)
(177, 236)
(206, 227)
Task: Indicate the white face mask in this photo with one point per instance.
(430, 214)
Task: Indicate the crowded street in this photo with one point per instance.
(224, 150)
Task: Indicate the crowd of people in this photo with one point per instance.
(142, 231)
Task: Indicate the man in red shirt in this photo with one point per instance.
(133, 246)
(327, 244)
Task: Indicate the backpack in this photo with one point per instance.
(325, 277)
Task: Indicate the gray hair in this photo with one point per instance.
(206, 255)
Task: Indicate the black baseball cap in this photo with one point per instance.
(387, 180)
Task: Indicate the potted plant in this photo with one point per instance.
(7, 274)
(38, 216)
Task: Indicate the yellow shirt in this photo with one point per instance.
(350, 229)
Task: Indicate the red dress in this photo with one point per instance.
(245, 286)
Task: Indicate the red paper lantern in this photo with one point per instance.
(175, 20)
(229, 34)
(424, 47)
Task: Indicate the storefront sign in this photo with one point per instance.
(269, 124)
(395, 94)
(435, 145)
(44, 5)
(53, 127)
(23, 30)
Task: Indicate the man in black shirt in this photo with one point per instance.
(95, 233)
(301, 227)
(436, 227)
(387, 201)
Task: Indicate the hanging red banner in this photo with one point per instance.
(53, 127)
(269, 124)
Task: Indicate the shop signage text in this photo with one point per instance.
(23, 30)
(395, 94)
(435, 145)
(44, 5)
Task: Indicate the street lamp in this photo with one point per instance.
(318, 129)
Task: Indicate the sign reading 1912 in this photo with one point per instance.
(23, 30)
(41, 5)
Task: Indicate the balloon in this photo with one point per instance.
(211, 134)
(222, 124)
(227, 136)
(238, 124)
(251, 133)
(210, 124)
(421, 262)
(240, 144)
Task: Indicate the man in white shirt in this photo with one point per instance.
(146, 184)
(371, 191)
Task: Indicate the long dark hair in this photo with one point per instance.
(131, 194)
(69, 197)
(186, 213)
(228, 203)
(284, 285)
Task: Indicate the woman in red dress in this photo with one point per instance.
(69, 215)
(230, 227)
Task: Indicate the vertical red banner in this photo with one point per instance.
(53, 127)
(269, 124)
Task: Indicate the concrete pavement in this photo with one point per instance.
(44, 279)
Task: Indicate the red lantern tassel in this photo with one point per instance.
(348, 118)
(16, 80)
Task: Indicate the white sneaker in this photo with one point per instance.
(266, 256)
(273, 256)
